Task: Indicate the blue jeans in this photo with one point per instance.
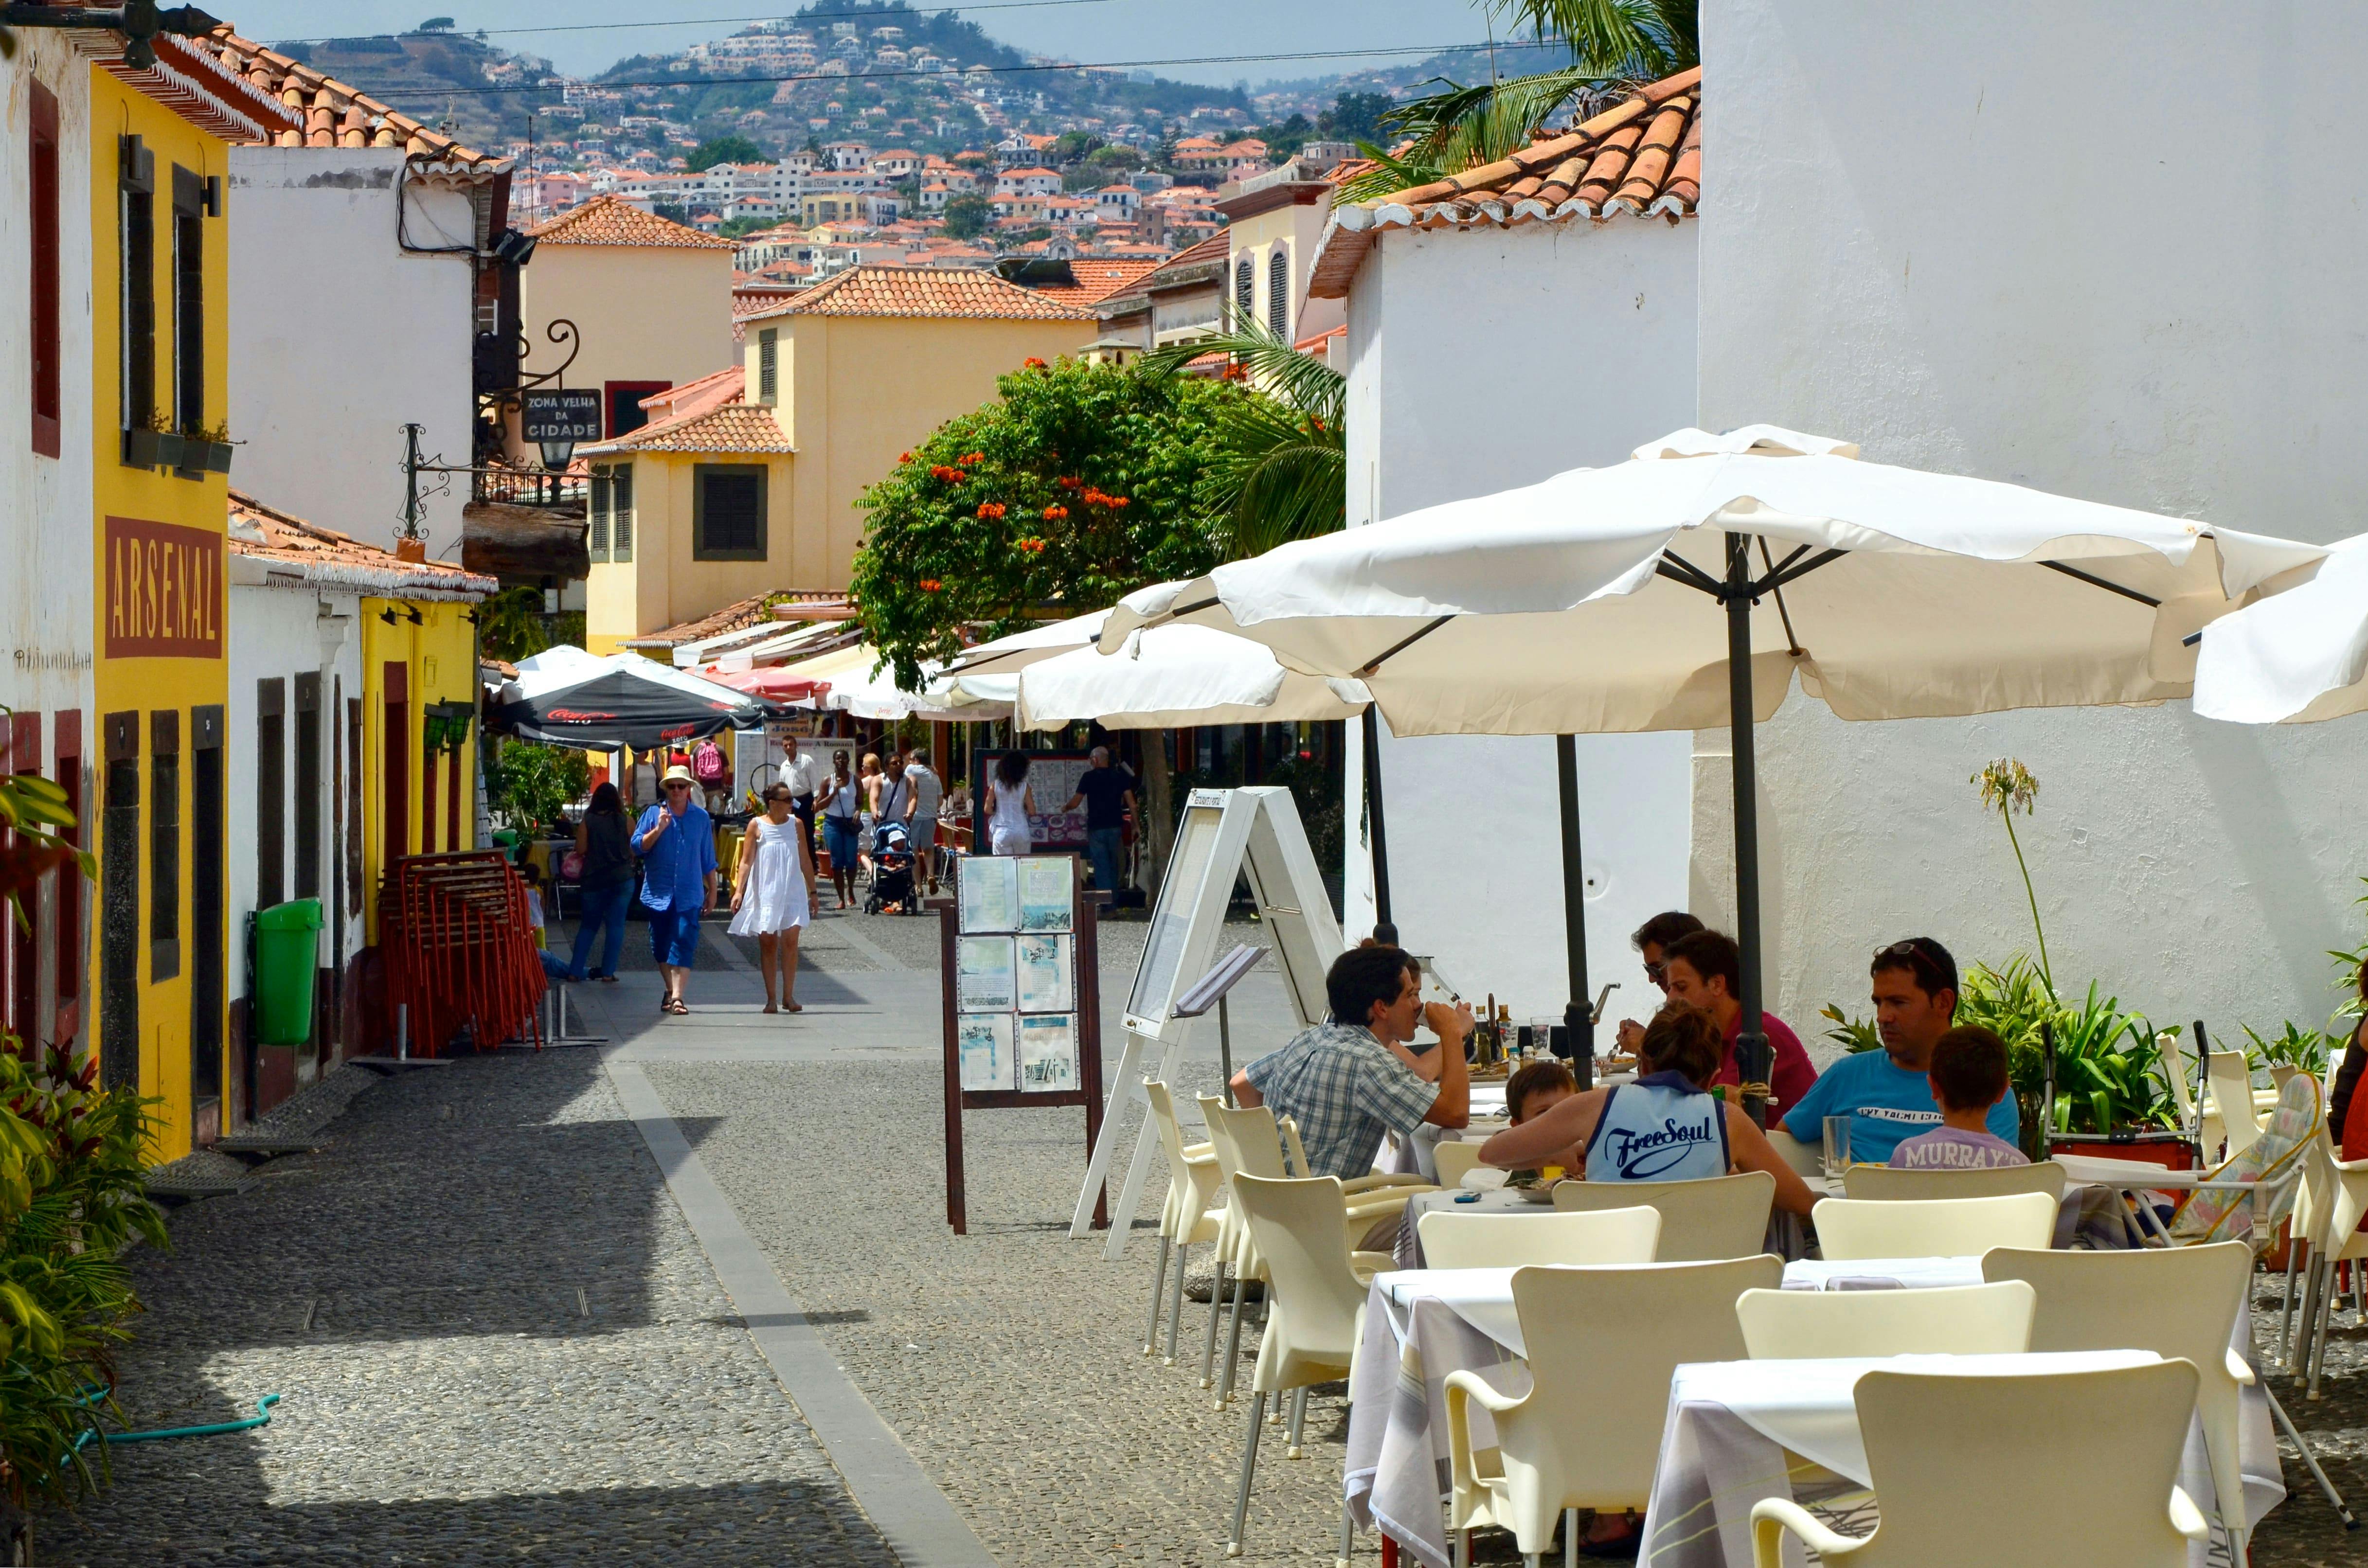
(674, 936)
(1103, 847)
(604, 908)
(553, 965)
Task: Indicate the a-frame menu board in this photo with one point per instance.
(1223, 833)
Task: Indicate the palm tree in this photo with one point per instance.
(1614, 45)
(1282, 472)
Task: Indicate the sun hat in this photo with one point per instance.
(679, 771)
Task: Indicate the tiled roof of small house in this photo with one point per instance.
(334, 114)
(613, 221)
(323, 557)
(1641, 158)
(1098, 278)
(941, 292)
(732, 427)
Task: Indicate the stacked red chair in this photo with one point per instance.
(459, 951)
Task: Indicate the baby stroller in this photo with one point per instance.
(891, 872)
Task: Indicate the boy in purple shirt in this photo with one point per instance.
(1968, 1076)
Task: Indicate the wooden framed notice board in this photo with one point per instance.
(1023, 983)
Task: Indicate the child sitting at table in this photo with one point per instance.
(1534, 1089)
(1968, 1075)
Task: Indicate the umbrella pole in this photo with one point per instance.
(1376, 836)
(1577, 1017)
(1752, 1064)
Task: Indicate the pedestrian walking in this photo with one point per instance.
(604, 854)
(676, 839)
(769, 897)
(923, 790)
(842, 826)
(1106, 791)
(804, 772)
(1009, 805)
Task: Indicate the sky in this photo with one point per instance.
(1086, 31)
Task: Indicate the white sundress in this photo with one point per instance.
(776, 899)
(1008, 829)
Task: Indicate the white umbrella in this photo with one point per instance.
(1621, 599)
(2298, 656)
(1169, 676)
(1007, 655)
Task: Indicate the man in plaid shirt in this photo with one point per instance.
(1350, 1079)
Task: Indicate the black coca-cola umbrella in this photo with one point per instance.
(570, 698)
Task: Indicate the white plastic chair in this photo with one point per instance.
(1816, 1325)
(1185, 1220)
(1702, 1221)
(1247, 1141)
(2232, 1098)
(1588, 1435)
(1883, 1185)
(1454, 1161)
(1806, 1159)
(2179, 1302)
(2073, 1470)
(1509, 1240)
(1316, 1312)
(1939, 1227)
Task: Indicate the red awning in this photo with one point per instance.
(772, 682)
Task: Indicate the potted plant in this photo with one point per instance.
(140, 447)
(209, 447)
(171, 445)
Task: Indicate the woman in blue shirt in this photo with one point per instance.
(1664, 1127)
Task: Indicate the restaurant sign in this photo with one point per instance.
(163, 591)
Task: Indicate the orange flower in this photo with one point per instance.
(930, 585)
(1055, 514)
(905, 458)
(992, 511)
(1033, 363)
(1031, 545)
(1068, 484)
(967, 459)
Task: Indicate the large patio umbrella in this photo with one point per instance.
(1168, 675)
(2298, 656)
(1621, 599)
(573, 698)
(1005, 656)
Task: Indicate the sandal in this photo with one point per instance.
(674, 1004)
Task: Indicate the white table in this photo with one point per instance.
(1421, 1324)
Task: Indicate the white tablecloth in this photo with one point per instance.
(1421, 1324)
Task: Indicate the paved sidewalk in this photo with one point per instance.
(497, 1341)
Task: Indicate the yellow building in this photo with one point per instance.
(160, 334)
(650, 300)
(419, 741)
(747, 480)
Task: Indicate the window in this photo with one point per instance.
(135, 232)
(620, 513)
(1278, 290)
(1244, 286)
(42, 198)
(270, 793)
(727, 512)
(308, 785)
(769, 360)
(188, 300)
(623, 401)
(596, 539)
(164, 845)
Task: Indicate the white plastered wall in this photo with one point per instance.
(1479, 361)
(338, 338)
(1901, 245)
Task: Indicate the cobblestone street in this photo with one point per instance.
(500, 1338)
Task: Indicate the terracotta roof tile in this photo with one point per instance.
(322, 555)
(1641, 157)
(732, 427)
(957, 291)
(1098, 277)
(337, 115)
(613, 221)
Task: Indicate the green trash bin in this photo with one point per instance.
(287, 943)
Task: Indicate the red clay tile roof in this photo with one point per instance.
(1641, 158)
(323, 556)
(732, 427)
(336, 115)
(1098, 277)
(611, 221)
(956, 291)
(687, 398)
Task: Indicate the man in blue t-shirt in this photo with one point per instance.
(1887, 1094)
(676, 840)
(1107, 790)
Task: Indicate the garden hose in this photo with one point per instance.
(262, 1417)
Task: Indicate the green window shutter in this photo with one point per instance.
(621, 513)
(769, 349)
(596, 539)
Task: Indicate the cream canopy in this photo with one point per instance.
(2299, 655)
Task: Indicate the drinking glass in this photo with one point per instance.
(1838, 1144)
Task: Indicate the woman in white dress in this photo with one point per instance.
(1010, 804)
(769, 895)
